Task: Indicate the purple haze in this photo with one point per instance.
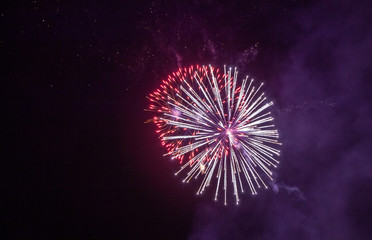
(322, 88)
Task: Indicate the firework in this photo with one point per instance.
(218, 128)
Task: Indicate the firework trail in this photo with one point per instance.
(219, 128)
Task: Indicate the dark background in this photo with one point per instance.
(80, 163)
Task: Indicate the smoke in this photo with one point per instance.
(323, 112)
(295, 191)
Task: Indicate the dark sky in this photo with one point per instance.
(80, 163)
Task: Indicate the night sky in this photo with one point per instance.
(80, 163)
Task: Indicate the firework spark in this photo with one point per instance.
(219, 128)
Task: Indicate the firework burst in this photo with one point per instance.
(219, 128)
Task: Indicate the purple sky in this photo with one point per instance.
(81, 164)
(323, 111)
